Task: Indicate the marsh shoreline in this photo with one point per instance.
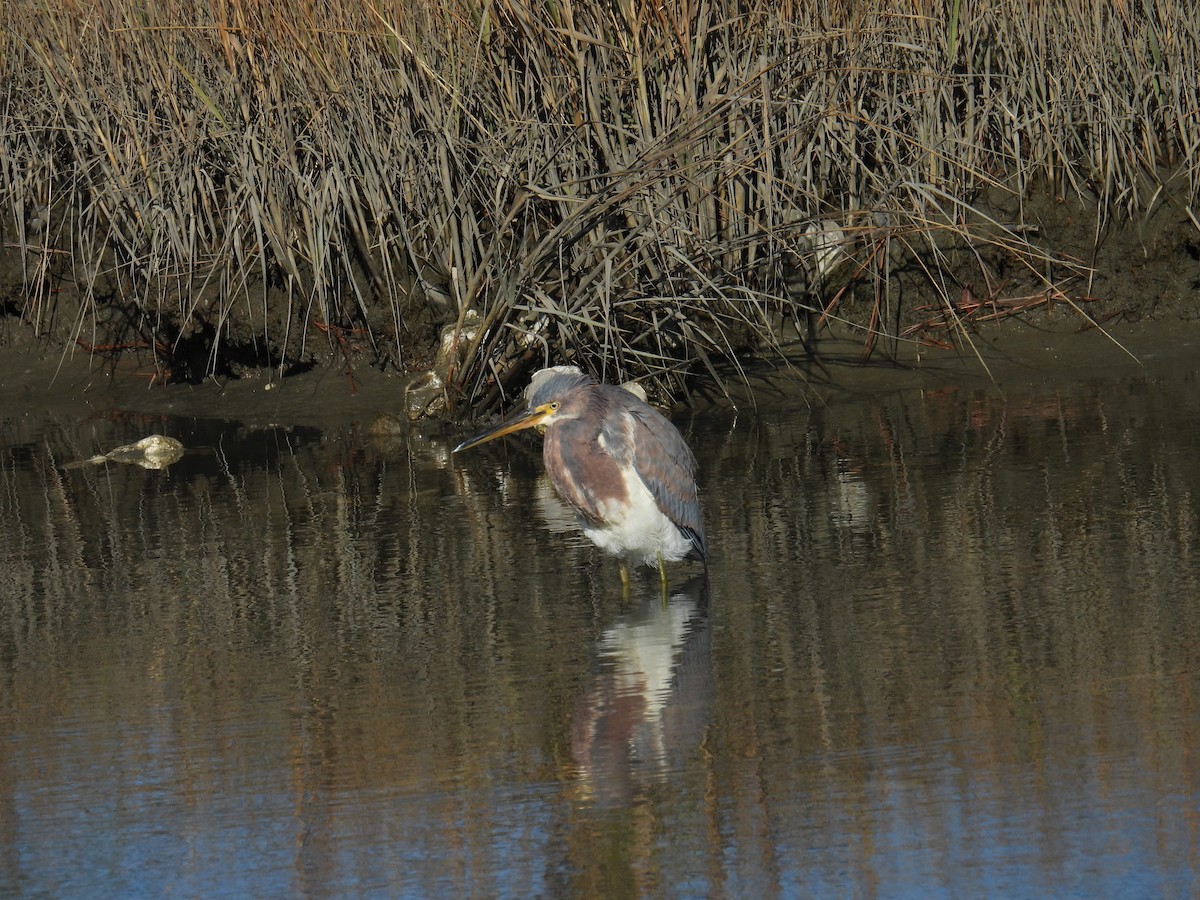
(38, 381)
(1140, 309)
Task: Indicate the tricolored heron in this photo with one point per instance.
(618, 462)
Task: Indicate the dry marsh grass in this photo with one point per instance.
(645, 189)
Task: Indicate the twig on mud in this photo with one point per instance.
(338, 333)
(972, 309)
(163, 371)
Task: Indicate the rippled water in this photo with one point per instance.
(949, 646)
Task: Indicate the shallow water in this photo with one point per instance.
(949, 646)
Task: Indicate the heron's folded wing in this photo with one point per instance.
(667, 466)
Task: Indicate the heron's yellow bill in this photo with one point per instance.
(522, 418)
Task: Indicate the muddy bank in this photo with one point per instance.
(1139, 307)
(37, 381)
(1136, 302)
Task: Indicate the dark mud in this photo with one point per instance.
(36, 378)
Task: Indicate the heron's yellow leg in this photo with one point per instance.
(624, 579)
(662, 573)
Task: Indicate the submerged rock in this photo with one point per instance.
(425, 396)
(153, 452)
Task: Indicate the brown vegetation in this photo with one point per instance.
(644, 189)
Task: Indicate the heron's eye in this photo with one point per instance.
(552, 406)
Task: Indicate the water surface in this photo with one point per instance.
(949, 646)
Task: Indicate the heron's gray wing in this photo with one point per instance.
(666, 465)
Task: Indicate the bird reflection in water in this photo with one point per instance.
(646, 707)
(619, 463)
